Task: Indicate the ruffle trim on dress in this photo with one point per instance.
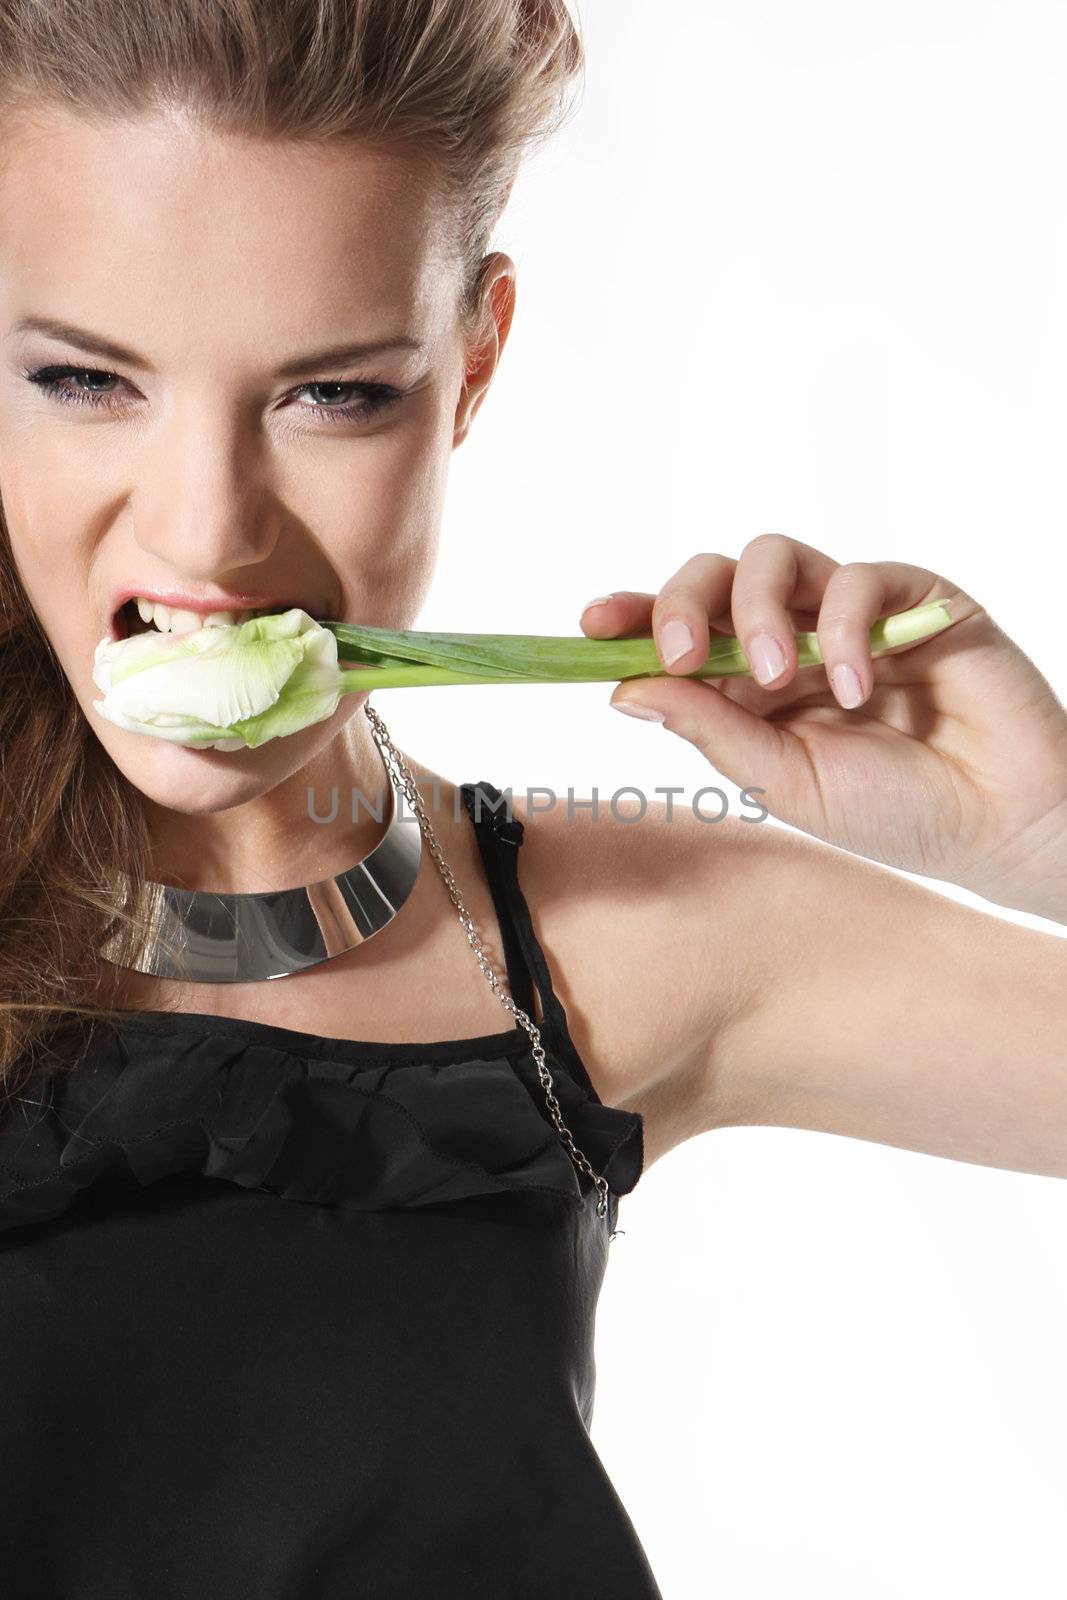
(316, 1130)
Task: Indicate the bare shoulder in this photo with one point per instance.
(650, 921)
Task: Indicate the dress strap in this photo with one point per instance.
(499, 839)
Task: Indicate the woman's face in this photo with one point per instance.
(198, 439)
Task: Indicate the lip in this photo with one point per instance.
(203, 607)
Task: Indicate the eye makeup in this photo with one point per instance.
(56, 382)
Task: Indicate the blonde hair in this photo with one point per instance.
(471, 86)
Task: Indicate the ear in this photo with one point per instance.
(497, 296)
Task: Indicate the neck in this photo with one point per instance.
(312, 825)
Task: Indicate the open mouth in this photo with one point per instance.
(139, 617)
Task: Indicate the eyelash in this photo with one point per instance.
(377, 396)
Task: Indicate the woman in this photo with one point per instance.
(288, 1313)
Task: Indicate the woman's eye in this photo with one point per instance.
(375, 397)
(91, 386)
(53, 381)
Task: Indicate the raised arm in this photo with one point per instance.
(882, 1009)
(850, 998)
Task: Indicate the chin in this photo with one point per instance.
(197, 782)
(200, 782)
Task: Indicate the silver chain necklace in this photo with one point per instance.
(391, 755)
(203, 936)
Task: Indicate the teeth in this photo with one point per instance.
(184, 621)
(169, 619)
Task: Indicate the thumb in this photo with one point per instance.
(739, 744)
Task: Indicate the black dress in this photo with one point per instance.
(287, 1317)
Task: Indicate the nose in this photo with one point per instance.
(203, 504)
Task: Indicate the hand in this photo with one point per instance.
(952, 763)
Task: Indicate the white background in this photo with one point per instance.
(793, 267)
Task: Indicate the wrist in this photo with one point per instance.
(1027, 869)
(1037, 897)
(1054, 909)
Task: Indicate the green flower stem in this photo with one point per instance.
(381, 658)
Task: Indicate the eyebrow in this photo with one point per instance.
(330, 359)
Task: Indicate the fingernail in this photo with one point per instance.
(601, 600)
(766, 658)
(846, 685)
(638, 711)
(674, 639)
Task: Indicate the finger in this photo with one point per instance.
(773, 575)
(614, 615)
(694, 599)
(909, 591)
(852, 604)
(627, 612)
(857, 596)
(681, 612)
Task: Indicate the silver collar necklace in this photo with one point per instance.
(200, 936)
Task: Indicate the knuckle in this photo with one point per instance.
(772, 539)
(671, 600)
(698, 568)
(838, 623)
(854, 572)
